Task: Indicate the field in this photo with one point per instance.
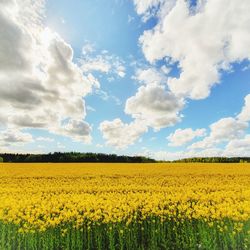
(124, 206)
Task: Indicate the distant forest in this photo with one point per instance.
(216, 159)
(98, 157)
(74, 157)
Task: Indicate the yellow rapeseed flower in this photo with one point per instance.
(39, 196)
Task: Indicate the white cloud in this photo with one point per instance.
(155, 106)
(182, 136)
(144, 6)
(121, 71)
(165, 69)
(78, 130)
(121, 135)
(169, 156)
(235, 148)
(245, 112)
(96, 64)
(150, 76)
(226, 129)
(152, 106)
(40, 85)
(150, 8)
(223, 130)
(102, 62)
(166, 156)
(87, 48)
(203, 40)
(238, 147)
(13, 137)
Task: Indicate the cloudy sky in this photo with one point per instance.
(162, 78)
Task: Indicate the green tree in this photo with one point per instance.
(1, 159)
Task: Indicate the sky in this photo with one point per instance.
(166, 79)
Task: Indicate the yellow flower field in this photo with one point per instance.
(37, 197)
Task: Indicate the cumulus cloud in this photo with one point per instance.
(202, 39)
(235, 148)
(152, 106)
(119, 134)
(14, 137)
(78, 130)
(155, 106)
(182, 136)
(238, 147)
(40, 84)
(150, 76)
(227, 129)
(150, 8)
(145, 6)
(245, 112)
(223, 130)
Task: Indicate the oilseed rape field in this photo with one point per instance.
(124, 206)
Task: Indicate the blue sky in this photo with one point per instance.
(158, 78)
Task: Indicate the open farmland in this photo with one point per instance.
(124, 206)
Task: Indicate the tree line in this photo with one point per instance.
(74, 157)
(216, 159)
(99, 157)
